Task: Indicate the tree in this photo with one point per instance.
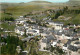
(7, 19)
(25, 33)
(65, 8)
(59, 50)
(12, 43)
(52, 49)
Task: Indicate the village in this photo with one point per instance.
(40, 27)
(49, 33)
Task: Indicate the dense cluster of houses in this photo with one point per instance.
(53, 34)
(56, 34)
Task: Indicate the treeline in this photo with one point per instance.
(73, 11)
(7, 19)
(56, 13)
(11, 43)
(60, 12)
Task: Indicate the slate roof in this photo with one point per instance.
(68, 33)
(68, 43)
(49, 38)
(45, 31)
(44, 40)
(20, 28)
(40, 27)
(77, 43)
(27, 38)
(32, 31)
(73, 48)
(74, 39)
(35, 26)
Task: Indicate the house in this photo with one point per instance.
(3, 43)
(64, 48)
(75, 53)
(33, 20)
(4, 35)
(54, 43)
(72, 45)
(20, 22)
(24, 53)
(45, 33)
(27, 18)
(75, 42)
(20, 30)
(67, 44)
(35, 26)
(33, 32)
(56, 25)
(45, 42)
(27, 26)
(18, 49)
(21, 16)
(64, 37)
(72, 48)
(63, 44)
(78, 33)
(42, 43)
(27, 38)
(65, 34)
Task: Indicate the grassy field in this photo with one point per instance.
(6, 26)
(18, 9)
(21, 10)
(75, 19)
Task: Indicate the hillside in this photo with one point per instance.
(74, 2)
(17, 9)
(24, 8)
(40, 2)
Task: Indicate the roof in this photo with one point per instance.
(46, 31)
(68, 33)
(73, 48)
(68, 43)
(57, 22)
(48, 39)
(27, 38)
(20, 28)
(74, 39)
(44, 40)
(77, 42)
